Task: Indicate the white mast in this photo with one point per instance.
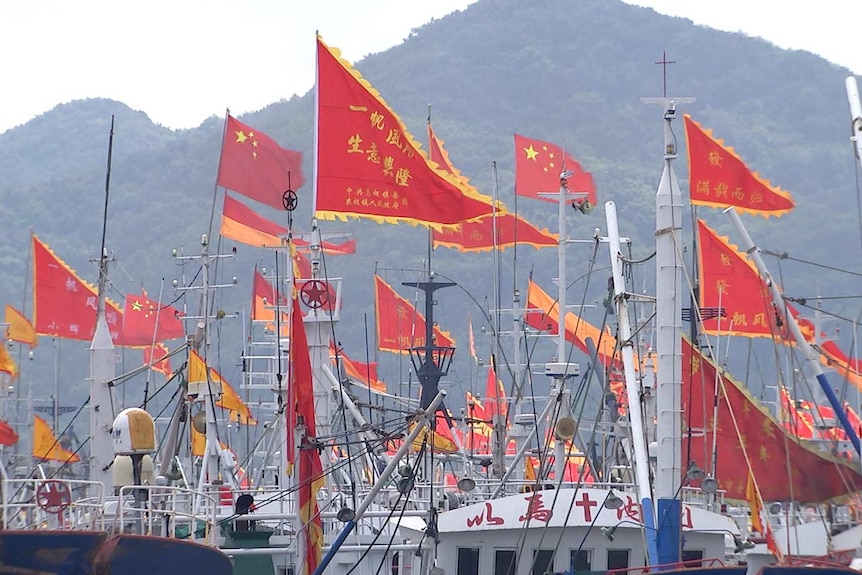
(669, 295)
(102, 366)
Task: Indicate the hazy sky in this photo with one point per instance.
(181, 61)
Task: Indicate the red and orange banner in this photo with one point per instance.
(64, 305)
(364, 373)
(399, 325)
(254, 165)
(719, 178)
(242, 224)
(479, 235)
(20, 329)
(545, 317)
(807, 475)
(538, 166)
(264, 300)
(311, 478)
(368, 164)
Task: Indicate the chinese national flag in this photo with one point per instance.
(145, 321)
(156, 357)
(20, 329)
(538, 166)
(368, 164)
(254, 165)
(311, 478)
(46, 446)
(719, 178)
(478, 235)
(806, 476)
(399, 325)
(64, 305)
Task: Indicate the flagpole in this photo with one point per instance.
(21, 346)
(218, 170)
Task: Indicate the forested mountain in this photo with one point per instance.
(570, 72)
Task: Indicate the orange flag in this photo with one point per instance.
(46, 447)
(719, 178)
(231, 401)
(368, 164)
(578, 330)
(806, 475)
(156, 357)
(64, 305)
(311, 478)
(20, 329)
(478, 235)
(538, 166)
(7, 364)
(441, 439)
(438, 154)
(399, 325)
(254, 165)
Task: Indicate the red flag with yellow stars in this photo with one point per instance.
(64, 305)
(368, 164)
(254, 165)
(399, 325)
(145, 321)
(806, 475)
(719, 178)
(538, 166)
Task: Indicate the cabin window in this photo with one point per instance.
(695, 556)
(468, 560)
(618, 559)
(505, 561)
(543, 561)
(582, 559)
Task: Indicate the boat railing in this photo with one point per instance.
(166, 511)
(694, 563)
(65, 504)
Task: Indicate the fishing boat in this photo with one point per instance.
(118, 519)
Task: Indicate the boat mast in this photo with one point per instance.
(669, 295)
(102, 365)
(633, 391)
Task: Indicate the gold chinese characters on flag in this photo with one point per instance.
(368, 164)
(720, 179)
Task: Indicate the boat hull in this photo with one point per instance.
(93, 553)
